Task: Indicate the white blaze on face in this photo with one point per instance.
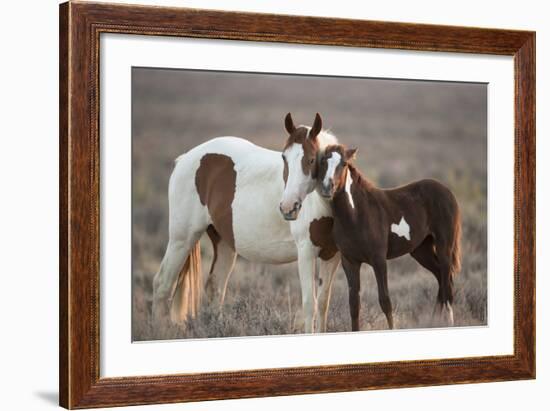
(332, 163)
(402, 229)
(297, 183)
(348, 189)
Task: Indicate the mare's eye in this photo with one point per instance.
(311, 161)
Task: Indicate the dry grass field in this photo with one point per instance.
(405, 130)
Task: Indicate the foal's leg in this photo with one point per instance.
(427, 258)
(425, 255)
(446, 298)
(352, 270)
(381, 274)
(223, 262)
(327, 269)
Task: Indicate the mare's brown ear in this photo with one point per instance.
(289, 124)
(316, 128)
(350, 153)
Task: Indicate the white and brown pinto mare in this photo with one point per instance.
(232, 189)
(372, 225)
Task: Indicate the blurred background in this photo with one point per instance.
(405, 130)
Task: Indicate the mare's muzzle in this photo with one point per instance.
(293, 213)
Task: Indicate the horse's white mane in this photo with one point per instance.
(325, 138)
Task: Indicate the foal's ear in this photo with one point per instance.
(316, 128)
(350, 154)
(289, 124)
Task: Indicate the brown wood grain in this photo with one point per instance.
(80, 27)
(63, 205)
(524, 242)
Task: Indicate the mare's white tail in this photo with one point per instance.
(187, 294)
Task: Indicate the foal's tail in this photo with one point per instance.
(187, 294)
(456, 251)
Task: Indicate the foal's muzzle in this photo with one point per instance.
(292, 214)
(327, 190)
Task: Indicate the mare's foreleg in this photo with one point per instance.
(306, 269)
(327, 269)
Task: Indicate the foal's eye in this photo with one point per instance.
(311, 161)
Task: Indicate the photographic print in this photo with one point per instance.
(263, 183)
(273, 204)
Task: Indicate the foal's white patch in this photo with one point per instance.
(332, 163)
(348, 192)
(402, 230)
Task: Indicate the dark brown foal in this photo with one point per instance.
(372, 225)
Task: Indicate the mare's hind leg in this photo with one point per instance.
(223, 262)
(352, 270)
(164, 283)
(381, 274)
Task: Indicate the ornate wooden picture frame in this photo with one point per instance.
(81, 25)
